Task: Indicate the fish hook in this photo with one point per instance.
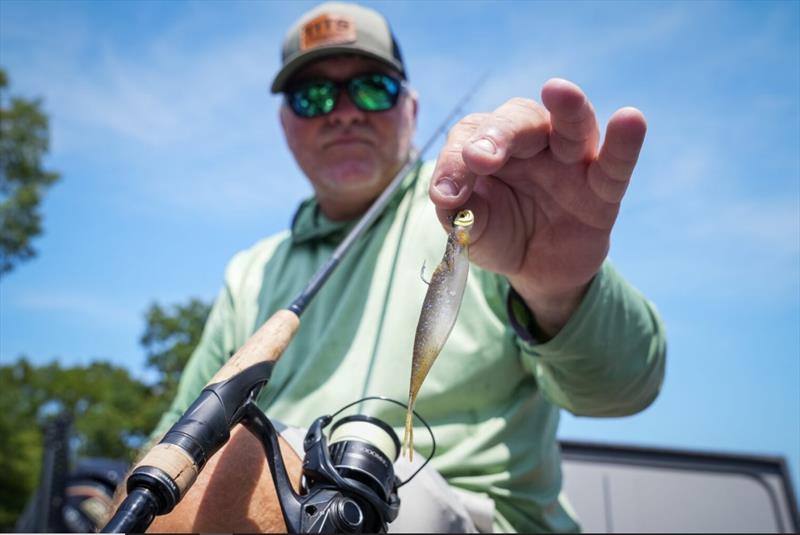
(422, 274)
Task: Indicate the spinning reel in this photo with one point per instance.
(349, 484)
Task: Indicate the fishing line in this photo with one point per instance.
(405, 406)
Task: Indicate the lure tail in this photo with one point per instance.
(408, 436)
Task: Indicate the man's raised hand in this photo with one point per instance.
(544, 194)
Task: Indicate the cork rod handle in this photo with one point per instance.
(267, 344)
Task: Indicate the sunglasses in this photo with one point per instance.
(369, 92)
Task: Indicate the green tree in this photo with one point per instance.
(112, 411)
(24, 140)
(170, 336)
(20, 445)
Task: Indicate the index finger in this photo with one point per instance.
(452, 181)
(518, 129)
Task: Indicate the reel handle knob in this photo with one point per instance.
(348, 515)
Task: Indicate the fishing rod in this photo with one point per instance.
(159, 481)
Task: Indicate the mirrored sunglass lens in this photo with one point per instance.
(313, 99)
(374, 92)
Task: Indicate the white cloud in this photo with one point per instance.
(100, 311)
(233, 188)
(761, 226)
(161, 97)
(714, 247)
(177, 124)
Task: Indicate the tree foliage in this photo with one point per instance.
(113, 412)
(24, 141)
(170, 337)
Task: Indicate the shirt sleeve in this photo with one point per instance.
(609, 358)
(211, 353)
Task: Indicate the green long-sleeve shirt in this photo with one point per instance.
(492, 398)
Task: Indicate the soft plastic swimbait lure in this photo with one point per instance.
(439, 312)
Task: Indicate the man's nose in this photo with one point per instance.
(345, 112)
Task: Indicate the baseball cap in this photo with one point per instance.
(337, 28)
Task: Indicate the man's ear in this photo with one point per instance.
(282, 111)
(412, 94)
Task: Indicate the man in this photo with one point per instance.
(546, 322)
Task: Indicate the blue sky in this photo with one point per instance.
(171, 158)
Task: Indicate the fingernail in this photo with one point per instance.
(485, 145)
(447, 187)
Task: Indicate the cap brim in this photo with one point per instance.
(294, 65)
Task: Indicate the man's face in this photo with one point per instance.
(349, 155)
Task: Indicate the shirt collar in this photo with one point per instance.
(310, 224)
